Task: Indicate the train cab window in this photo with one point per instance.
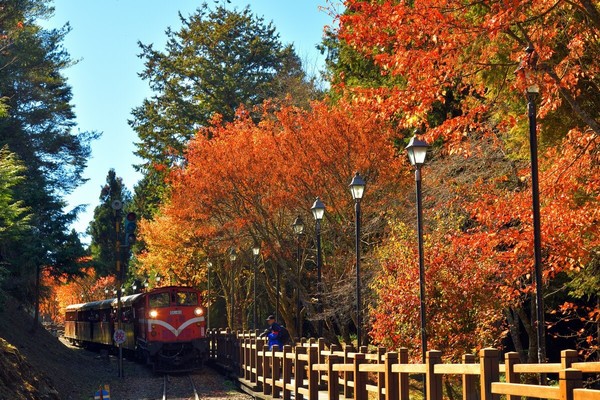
(159, 300)
(187, 299)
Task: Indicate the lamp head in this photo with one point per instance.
(318, 209)
(298, 225)
(417, 151)
(357, 187)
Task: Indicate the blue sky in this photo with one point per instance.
(105, 83)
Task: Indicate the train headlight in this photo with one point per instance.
(153, 313)
(199, 311)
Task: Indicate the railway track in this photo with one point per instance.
(179, 387)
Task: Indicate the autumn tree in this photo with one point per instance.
(269, 172)
(455, 66)
(219, 60)
(66, 290)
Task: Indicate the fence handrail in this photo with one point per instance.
(311, 369)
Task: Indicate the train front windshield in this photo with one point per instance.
(187, 298)
(180, 298)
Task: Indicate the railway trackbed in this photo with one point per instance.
(179, 387)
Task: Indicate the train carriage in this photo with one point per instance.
(165, 326)
(71, 319)
(172, 330)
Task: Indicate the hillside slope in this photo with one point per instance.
(38, 365)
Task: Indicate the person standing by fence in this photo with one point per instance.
(275, 333)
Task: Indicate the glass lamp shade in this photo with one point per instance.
(417, 151)
(232, 255)
(256, 250)
(318, 209)
(357, 187)
(298, 226)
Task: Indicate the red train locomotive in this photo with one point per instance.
(165, 326)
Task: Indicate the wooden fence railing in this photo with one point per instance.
(312, 370)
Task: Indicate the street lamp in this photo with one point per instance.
(232, 258)
(255, 252)
(298, 227)
(357, 188)
(532, 94)
(417, 151)
(318, 210)
(208, 267)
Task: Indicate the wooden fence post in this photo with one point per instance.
(490, 372)
(228, 349)
(391, 378)
(333, 385)
(381, 375)
(266, 370)
(258, 361)
(234, 354)
(567, 358)
(568, 379)
(276, 371)
(313, 374)
(252, 359)
(321, 358)
(433, 382)
(287, 371)
(360, 378)
(510, 359)
(403, 385)
(247, 347)
(469, 381)
(348, 376)
(299, 372)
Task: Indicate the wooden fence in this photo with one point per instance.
(312, 370)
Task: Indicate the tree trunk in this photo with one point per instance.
(531, 333)
(36, 313)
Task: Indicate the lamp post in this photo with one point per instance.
(318, 210)
(208, 268)
(417, 151)
(232, 257)
(298, 227)
(532, 94)
(255, 252)
(357, 188)
(277, 289)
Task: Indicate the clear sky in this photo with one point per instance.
(105, 81)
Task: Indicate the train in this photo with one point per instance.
(164, 327)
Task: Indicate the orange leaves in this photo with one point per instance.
(473, 49)
(248, 180)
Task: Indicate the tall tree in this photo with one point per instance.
(38, 128)
(219, 60)
(14, 218)
(102, 228)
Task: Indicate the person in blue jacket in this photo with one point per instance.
(273, 332)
